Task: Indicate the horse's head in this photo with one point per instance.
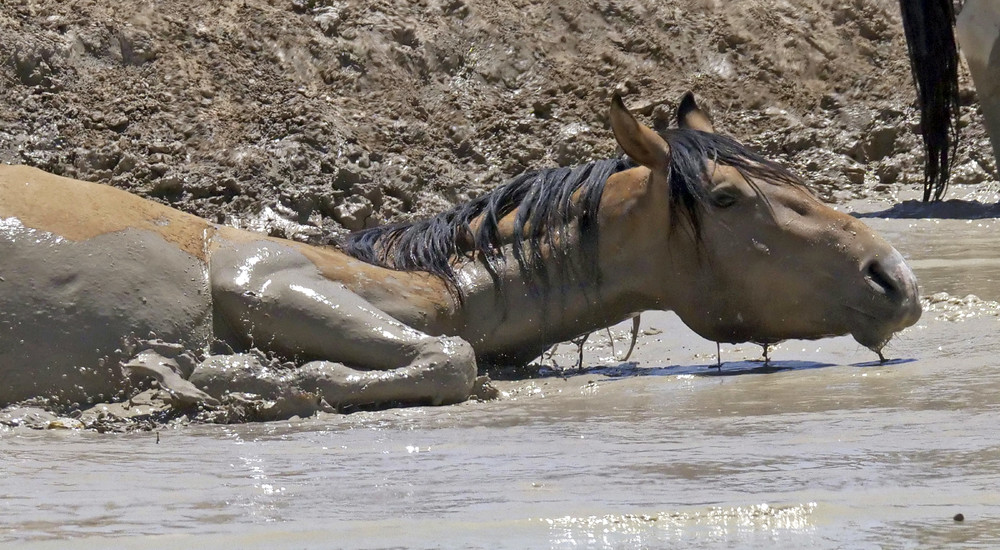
(752, 255)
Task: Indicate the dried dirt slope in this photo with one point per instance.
(306, 118)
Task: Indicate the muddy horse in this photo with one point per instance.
(689, 221)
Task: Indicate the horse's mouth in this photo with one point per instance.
(872, 324)
(889, 304)
(874, 343)
(873, 330)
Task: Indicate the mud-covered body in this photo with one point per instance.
(70, 291)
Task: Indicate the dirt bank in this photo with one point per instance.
(307, 118)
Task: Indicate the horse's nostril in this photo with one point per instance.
(878, 276)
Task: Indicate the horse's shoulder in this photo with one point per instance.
(396, 291)
(331, 261)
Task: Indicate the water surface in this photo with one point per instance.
(823, 448)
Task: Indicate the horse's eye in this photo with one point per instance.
(724, 198)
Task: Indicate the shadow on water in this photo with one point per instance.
(883, 363)
(954, 209)
(632, 369)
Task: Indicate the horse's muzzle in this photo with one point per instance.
(895, 297)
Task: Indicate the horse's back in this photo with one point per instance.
(81, 266)
(80, 210)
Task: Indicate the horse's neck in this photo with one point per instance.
(519, 314)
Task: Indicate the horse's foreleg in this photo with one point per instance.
(297, 312)
(432, 378)
(439, 375)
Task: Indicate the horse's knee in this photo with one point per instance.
(450, 365)
(230, 307)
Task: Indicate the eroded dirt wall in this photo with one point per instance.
(308, 118)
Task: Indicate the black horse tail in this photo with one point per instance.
(930, 38)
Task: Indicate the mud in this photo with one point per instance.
(86, 284)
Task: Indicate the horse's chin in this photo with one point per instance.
(875, 336)
(874, 341)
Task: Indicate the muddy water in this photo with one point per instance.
(822, 449)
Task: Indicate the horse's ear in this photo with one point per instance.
(689, 115)
(639, 142)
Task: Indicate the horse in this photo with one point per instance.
(690, 221)
(934, 62)
(978, 29)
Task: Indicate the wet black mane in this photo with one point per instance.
(545, 210)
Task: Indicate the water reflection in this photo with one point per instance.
(740, 524)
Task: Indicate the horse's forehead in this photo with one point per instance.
(723, 173)
(775, 190)
(629, 182)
